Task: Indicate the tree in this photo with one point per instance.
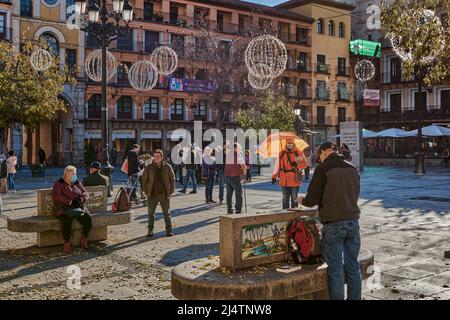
(271, 111)
(422, 40)
(27, 96)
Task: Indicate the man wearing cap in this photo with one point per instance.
(95, 178)
(335, 189)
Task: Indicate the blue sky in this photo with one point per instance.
(267, 2)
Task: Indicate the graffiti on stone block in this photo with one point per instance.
(265, 239)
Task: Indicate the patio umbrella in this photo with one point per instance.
(431, 131)
(276, 142)
(367, 134)
(392, 133)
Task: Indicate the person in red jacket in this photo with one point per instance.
(68, 192)
(288, 168)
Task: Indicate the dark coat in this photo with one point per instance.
(64, 193)
(168, 177)
(96, 179)
(3, 169)
(133, 162)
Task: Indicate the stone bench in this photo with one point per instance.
(238, 275)
(48, 228)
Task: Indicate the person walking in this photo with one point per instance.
(3, 174)
(133, 167)
(12, 163)
(220, 171)
(208, 173)
(345, 151)
(446, 158)
(42, 156)
(307, 153)
(69, 202)
(234, 169)
(335, 188)
(99, 153)
(248, 176)
(288, 168)
(158, 184)
(113, 155)
(95, 178)
(189, 163)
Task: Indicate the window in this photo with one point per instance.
(71, 57)
(177, 110)
(95, 106)
(342, 67)
(225, 49)
(177, 41)
(26, 8)
(320, 115)
(179, 73)
(201, 74)
(341, 30)
(302, 35)
(122, 73)
(331, 28)
(173, 14)
(92, 42)
(51, 3)
(151, 109)
(396, 72)
(341, 114)
(423, 104)
(303, 62)
(220, 24)
(322, 92)
(200, 110)
(125, 108)
(302, 89)
(52, 43)
(342, 92)
(304, 113)
(395, 102)
(70, 5)
(320, 26)
(285, 85)
(369, 37)
(148, 10)
(125, 43)
(321, 63)
(3, 31)
(200, 47)
(151, 41)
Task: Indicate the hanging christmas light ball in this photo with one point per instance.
(93, 65)
(40, 59)
(404, 54)
(269, 51)
(165, 59)
(259, 83)
(143, 75)
(364, 70)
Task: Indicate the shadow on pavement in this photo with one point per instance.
(191, 252)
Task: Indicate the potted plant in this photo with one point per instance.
(37, 170)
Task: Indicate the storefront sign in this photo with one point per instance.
(93, 134)
(192, 85)
(151, 134)
(371, 98)
(351, 135)
(123, 134)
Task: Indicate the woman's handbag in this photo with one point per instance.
(73, 212)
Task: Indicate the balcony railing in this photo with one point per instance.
(6, 34)
(433, 113)
(389, 77)
(342, 71)
(322, 121)
(151, 116)
(322, 68)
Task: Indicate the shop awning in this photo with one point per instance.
(365, 48)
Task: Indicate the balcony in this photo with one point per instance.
(151, 116)
(177, 117)
(322, 121)
(6, 34)
(303, 66)
(322, 68)
(433, 113)
(389, 77)
(161, 17)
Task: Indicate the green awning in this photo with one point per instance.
(365, 48)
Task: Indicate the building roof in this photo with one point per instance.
(331, 3)
(250, 6)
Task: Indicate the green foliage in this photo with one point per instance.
(271, 111)
(27, 96)
(425, 37)
(90, 155)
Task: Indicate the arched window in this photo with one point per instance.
(53, 45)
(341, 30)
(331, 28)
(320, 25)
(94, 106)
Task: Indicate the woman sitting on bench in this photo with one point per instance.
(69, 202)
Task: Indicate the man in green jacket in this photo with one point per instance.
(95, 178)
(158, 184)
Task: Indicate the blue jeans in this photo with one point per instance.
(221, 181)
(341, 239)
(289, 193)
(209, 188)
(190, 174)
(11, 184)
(234, 185)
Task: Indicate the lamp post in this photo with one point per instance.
(106, 27)
(297, 112)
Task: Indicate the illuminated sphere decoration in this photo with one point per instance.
(259, 83)
(143, 75)
(93, 65)
(364, 70)
(263, 51)
(165, 59)
(41, 59)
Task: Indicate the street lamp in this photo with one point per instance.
(106, 27)
(297, 112)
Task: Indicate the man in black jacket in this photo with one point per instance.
(335, 189)
(133, 166)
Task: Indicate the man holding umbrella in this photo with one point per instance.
(288, 168)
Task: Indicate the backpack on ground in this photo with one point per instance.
(306, 235)
(122, 201)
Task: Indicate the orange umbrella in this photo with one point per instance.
(276, 142)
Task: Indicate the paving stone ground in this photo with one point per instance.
(405, 221)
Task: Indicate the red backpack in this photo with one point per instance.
(306, 235)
